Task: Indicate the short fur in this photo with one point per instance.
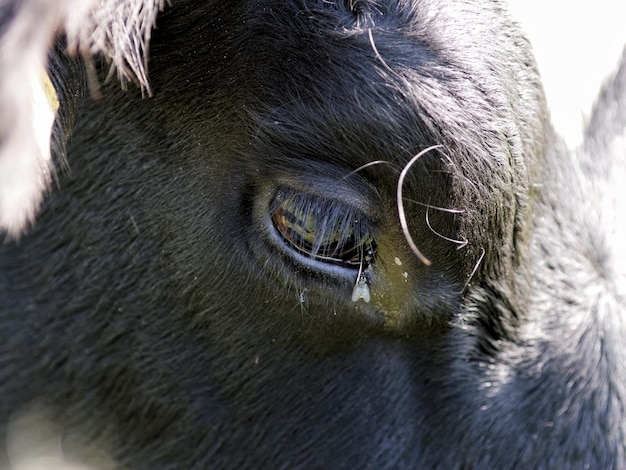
(153, 317)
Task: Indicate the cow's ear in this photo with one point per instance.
(27, 108)
(118, 30)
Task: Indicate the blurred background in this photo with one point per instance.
(577, 46)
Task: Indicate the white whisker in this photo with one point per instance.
(378, 56)
(367, 165)
(443, 209)
(480, 259)
(461, 243)
(401, 213)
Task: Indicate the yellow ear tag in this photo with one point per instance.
(49, 91)
(45, 104)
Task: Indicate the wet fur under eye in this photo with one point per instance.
(323, 229)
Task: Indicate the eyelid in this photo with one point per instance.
(352, 191)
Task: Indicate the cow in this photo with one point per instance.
(303, 234)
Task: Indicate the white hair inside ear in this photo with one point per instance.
(25, 161)
(24, 150)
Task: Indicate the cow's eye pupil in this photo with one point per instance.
(323, 229)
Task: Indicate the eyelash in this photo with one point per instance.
(323, 229)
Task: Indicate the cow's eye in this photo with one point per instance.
(323, 229)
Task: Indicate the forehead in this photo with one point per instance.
(323, 85)
(353, 82)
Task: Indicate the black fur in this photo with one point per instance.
(152, 315)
